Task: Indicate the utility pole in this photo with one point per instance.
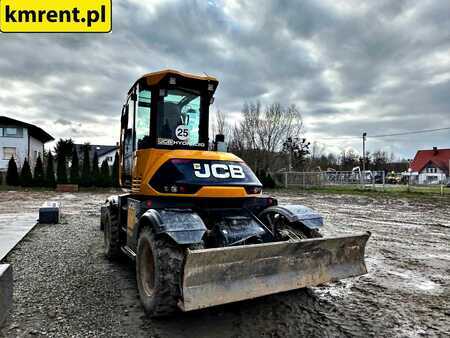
(363, 173)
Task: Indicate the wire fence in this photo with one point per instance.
(324, 178)
(373, 180)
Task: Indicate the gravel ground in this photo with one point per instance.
(64, 287)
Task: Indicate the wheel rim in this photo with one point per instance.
(147, 269)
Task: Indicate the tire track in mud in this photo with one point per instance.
(407, 256)
(405, 294)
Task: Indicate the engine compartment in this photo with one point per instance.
(229, 227)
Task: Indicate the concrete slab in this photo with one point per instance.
(6, 291)
(14, 227)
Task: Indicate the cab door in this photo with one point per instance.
(127, 140)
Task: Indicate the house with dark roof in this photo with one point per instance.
(431, 166)
(104, 152)
(22, 141)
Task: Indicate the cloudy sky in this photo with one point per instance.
(351, 66)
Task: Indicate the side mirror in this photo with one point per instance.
(220, 138)
(219, 143)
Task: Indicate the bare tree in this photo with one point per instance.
(260, 135)
(220, 121)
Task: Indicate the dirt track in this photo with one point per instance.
(65, 287)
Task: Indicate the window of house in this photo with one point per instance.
(109, 158)
(9, 152)
(36, 154)
(12, 132)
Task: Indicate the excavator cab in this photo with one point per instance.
(165, 110)
(195, 221)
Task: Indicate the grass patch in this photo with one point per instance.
(389, 191)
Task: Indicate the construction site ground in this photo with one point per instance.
(64, 287)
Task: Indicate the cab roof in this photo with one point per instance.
(155, 77)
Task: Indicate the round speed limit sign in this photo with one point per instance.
(182, 132)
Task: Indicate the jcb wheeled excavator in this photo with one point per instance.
(195, 221)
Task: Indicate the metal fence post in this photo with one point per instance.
(384, 179)
(286, 179)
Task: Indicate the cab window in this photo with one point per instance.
(178, 120)
(143, 114)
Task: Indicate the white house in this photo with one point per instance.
(104, 152)
(431, 166)
(22, 141)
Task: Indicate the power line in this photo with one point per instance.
(411, 132)
(343, 138)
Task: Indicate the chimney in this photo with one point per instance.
(435, 151)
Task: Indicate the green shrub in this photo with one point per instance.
(12, 175)
(105, 177)
(75, 168)
(96, 171)
(61, 170)
(115, 172)
(26, 178)
(39, 179)
(50, 172)
(86, 180)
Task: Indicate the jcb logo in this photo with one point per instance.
(218, 170)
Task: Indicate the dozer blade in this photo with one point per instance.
(225, 275)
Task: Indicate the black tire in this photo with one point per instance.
(111, 234)
(159, 269)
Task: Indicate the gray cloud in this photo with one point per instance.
(351, 66)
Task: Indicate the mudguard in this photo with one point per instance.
(182, 225)
(298, 213)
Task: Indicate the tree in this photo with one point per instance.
(259, 136)
(61, 169)
(50, 171)
(39, 179)
(64, 148)
(296, 149)
(380, 160)
(86, 180)
(75, 168)
(26, 178)
(115, 171)
(12, 175)
(95, 170)
(348, 160)
(105, 178)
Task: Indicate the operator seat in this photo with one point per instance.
(170, 119)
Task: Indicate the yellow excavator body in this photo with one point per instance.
(193, 216)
